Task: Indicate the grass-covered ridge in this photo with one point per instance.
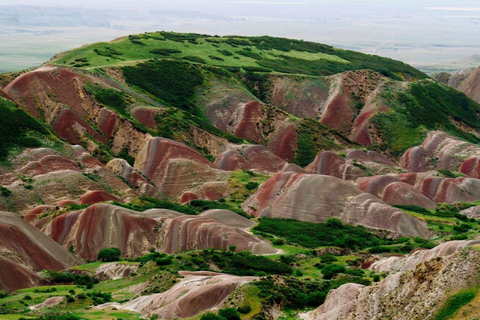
(260, 53)
(424, 106)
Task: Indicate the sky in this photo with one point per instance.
(420, 32)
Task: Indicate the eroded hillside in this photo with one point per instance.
(169, 175)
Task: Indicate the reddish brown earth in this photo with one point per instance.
(197, 292)
(400, 263)
(283, 141)
(440, 151)
(106, 122)
(330, 163)
(61, 82)
(146, 116)
(473, 212)
(122, 168)
(252, 157)
(24, 250)
(470, 167)
(175, 168)
(232, 160)
(393, 191)
(187, 197)
(315, 198)
(72, 128)
(48, 164)
(104, 226)
(262, 159)
(247, 127)
(4, 95)
(98, 196)
(228, 218)
(14, 276)
(199, 232)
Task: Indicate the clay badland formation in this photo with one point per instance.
(183, 175)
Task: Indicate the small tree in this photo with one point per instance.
(111, 254)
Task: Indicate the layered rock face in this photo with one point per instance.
(416, 293)
(199, 291)
(175, 168)
(135, 233)
(25, 250)
(315, 198)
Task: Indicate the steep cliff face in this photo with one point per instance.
(417, 293)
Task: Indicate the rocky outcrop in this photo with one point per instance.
(473, 212)
(398, 263)
(315, 198)
(197, 293)
(115, 270)
(103, 226)
(466, 81)
(50, 302)
(417, 293)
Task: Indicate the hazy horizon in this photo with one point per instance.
(417, 32)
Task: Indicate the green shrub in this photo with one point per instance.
(251, 185)
(164, 261)
(313, 235)
(111, 98)
(110, 254)
(18, 130)
(172, 81)
(244, 309)
(4, 191)
(229, 314)
(165, 52)
(210, 316)
(331, 270)
(278, 242)
(328, 258)
(194, 59)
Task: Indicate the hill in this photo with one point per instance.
(267, 174)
